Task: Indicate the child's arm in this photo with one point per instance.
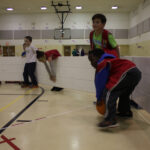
(50, 73)
(53, 74)
(24, 47)
(47, 68)
(101, 79)
(34, 49)
(49, 58)
(117, 50)
(113, 43)
(24, 52)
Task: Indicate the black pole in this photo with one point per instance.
(62, 21)
(62, 25)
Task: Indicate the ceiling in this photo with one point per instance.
(89, 6)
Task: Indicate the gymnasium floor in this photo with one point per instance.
(63, 121)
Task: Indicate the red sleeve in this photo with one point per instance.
(52, 53)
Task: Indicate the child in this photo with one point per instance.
(101, 38)
(115, 78)
(75, 52)
(82, 52)
(49, 56)
(30, 65)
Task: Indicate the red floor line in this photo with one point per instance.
(17, 124)
(40, 118)
(9, 140)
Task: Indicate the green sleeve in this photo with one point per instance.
(112, 41)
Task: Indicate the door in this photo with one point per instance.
(8, 50)
(67, 50)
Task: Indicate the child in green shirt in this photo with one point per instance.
(101, 38)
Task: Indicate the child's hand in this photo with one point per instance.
(53, 78)
(101, 107)
(49, 59)
(99, 103)
(23, 54)
(24, 46)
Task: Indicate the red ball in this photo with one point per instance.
(101, 108)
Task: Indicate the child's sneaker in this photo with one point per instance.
(58, 89)
(53, 88)
(125, 115)
(108, 124)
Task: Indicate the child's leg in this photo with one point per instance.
(53, 73)
(124, 100)
(32, 67)
(129, 80)
(110, 100)
(110, 115)
(124, 103)
(25, 74)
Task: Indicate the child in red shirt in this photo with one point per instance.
(115, 78)
(49, 56)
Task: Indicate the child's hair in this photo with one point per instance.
(100, 17)
(29, 38)
(96, 53)
(39, 54)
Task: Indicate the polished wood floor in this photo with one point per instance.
(65, 120)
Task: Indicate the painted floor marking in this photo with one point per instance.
(9, 142)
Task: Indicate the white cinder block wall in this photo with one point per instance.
(138, 16)
(75, 73)
(72, 72)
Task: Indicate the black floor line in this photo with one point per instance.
(24, 121)
(18, 94)
(21, 112)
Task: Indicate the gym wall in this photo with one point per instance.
(139, 33)
(132, 31)
(13, 27)
(75, 73)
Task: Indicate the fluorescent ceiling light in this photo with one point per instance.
(43, 8)
(9, 9)
(114, 7)
(79, 7)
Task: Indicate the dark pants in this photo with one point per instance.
(29, 71)
(122, 91)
